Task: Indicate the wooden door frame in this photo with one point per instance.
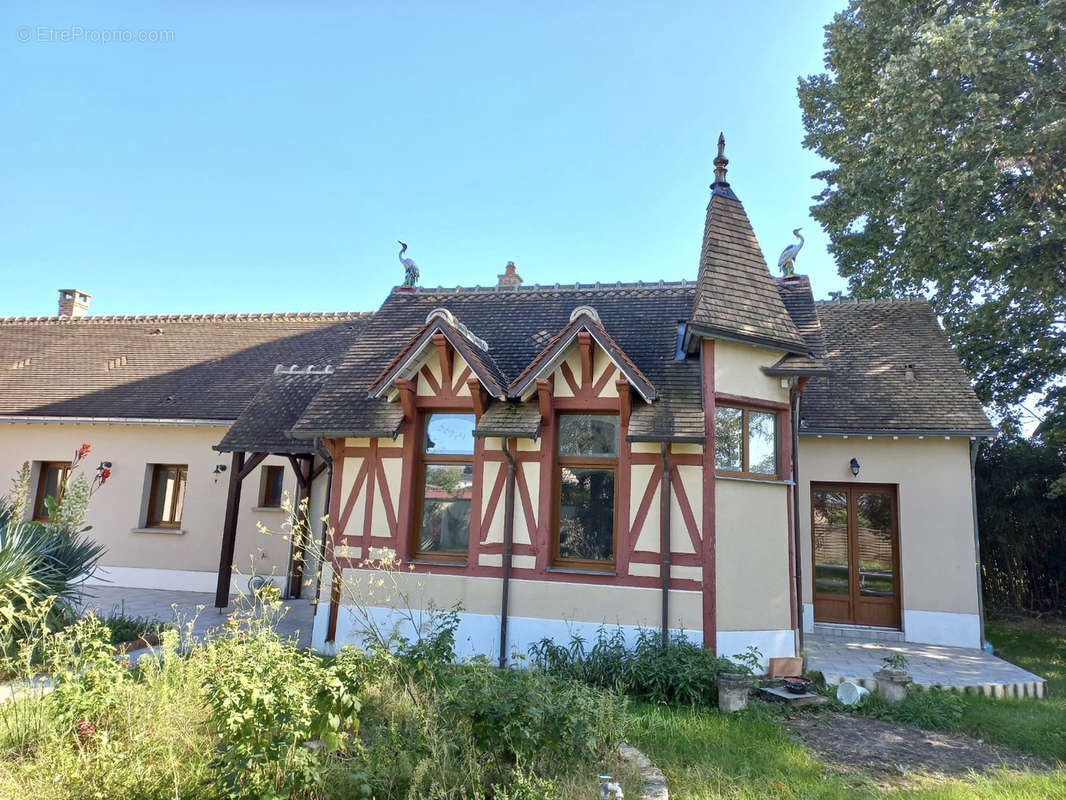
(849, 489)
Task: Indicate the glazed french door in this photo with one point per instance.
(856, 554)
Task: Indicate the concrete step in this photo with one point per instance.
(857, 633)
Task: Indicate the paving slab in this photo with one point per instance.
(197, 608)
(957, 668)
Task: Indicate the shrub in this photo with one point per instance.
(279, 712)
(547, 723)
(679, 672)
(932, 709)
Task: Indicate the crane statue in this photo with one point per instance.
(410, 268)
(787, 261)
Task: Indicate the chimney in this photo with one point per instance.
(73, 303)
(510, 280)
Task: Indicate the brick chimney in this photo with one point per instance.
(510, 280)
(73, 303)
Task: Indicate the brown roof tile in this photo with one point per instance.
(869, 345)
(190, 366)
(735, 294)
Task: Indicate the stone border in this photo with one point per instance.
(1033, 689)
(654, 780)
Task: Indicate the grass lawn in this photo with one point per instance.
(707, 755)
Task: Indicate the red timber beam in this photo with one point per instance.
(584, 341)
(444, 357)
(707, 551)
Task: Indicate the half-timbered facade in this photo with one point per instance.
(720, 458)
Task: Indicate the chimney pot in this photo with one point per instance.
(510, 279)
(73, 303)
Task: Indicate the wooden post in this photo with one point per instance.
(302, 467)
(229, 530)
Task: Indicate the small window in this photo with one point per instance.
(51, 482)
(167, 495)
(745, 442)
(585, 477)
(273, 487)
(447, 480)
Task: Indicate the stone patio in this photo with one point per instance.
(198, 607)
(957, 668)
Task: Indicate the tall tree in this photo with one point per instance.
(945, 121)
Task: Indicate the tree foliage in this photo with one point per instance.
(945, 122)
(1023, 530)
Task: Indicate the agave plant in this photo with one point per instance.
(43, 560)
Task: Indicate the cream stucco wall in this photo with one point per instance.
(936, 549)
(582, 602)
(736, 371)
(117, 510)
(752, 576)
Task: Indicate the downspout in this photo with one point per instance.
(975, 443)
(797, 561)
(325, 455)
(664, 542)
(508, 538)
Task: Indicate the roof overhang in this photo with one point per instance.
(167, 421)
(984, 433)
(695, 330)
(655, 438)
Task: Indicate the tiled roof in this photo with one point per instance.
(736, 296)
(869, 345)
(798, 298)
(678, 413)
(517, 420)
(189, 366)
(562, 341)
(641, 319)
(263, 424)
(481, 363)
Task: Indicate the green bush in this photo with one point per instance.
(279, 712)
(680, 672)
(932, 709)
(550, 724)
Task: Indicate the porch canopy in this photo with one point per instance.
(261, 430)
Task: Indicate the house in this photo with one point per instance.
(723, 458)
(152, 395)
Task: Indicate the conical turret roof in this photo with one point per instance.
(736, 297)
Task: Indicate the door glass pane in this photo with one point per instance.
(446, 508)
(830, 541)
(877, 561)
(588, 435)
(586, 514)
(762, 442)
(729, 438)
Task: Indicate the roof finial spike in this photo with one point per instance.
(720, 163)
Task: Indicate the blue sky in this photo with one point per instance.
(267, 157)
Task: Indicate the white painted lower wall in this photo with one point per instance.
(771, 644)
(479, 634)
(173, 580)
(942, 627)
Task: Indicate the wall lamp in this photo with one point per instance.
(855, 467)
(219, 469)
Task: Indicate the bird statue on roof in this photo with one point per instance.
(787, 261)
(410, 268)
